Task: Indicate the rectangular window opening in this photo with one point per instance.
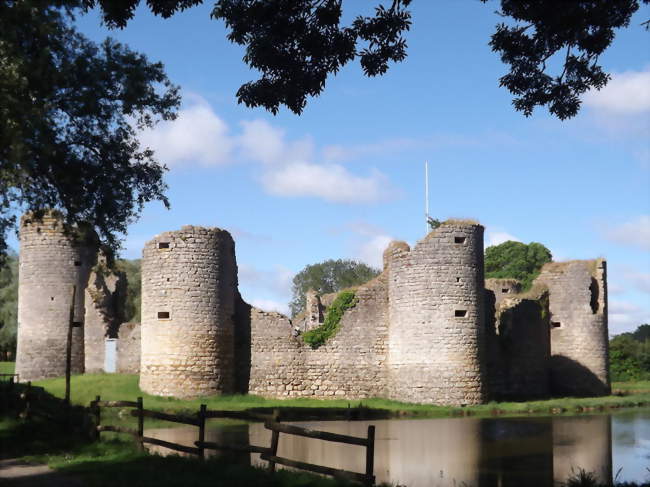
(77, 263)
(505, 290)
(163, 245)
(556, 324)
(460, 313)
(459, 240)
(163, 315)
(77, 324)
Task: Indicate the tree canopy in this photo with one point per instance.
(69, 114)
(297, 44)
(328, 277)
(8, 304)
(629, 355)
(516, 260)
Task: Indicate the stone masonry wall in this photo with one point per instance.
(520, 349)
(503, 288)
(189, 288)
(53, 259)
(128, 348)
(579, 336)
(104, 305)
(436, 316)
(349, 365)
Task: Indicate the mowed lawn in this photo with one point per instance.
(84, 389)
(7, 367)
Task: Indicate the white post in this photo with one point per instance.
(426, 197)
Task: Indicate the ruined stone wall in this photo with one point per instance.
(53, 259)
(503, 288)
(128, 348)
(519, 349)
(189, 289)
(579, 336)
(104, 305)
(349, 365)
(436, 315)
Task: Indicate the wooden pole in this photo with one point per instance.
(370, 457)
(202, 431)
(68, 348)
(98, 416)
(275, 439)
(140, 424)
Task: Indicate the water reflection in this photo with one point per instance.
(464, 451)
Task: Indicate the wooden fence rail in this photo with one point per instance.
(272, 457)
(271, 422)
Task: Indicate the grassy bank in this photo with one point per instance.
(125, 387)
(7, 367)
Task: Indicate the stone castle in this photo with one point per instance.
(428, 329)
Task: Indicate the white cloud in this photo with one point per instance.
(626, 93)
(496, 237)
(290, 168)
(261, 142)
(372, 251)
(634, 233)
(197, 136)
(625, 316)
(640, 280)
(271, 305)
(277, 281)
(331, 182)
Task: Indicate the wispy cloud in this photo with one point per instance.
(633, 233)
(639, 280)
(626, 316)
(626, 93)
(497, 236)
(290, 168)
(341, 152)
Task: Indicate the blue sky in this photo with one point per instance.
(346, 177)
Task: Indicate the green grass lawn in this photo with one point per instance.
(85, 387)
(7, 367)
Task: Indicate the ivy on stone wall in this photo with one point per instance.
(318, 336)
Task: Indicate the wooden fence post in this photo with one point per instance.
(68, 347)
(202, 431)
(98, 416)
(140, 424)
(275, 439)
(27, 394)
(370, 457)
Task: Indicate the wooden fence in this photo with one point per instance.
(271, 423)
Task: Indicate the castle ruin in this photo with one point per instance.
(429, 329)
(56, 262)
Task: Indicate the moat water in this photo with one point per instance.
(532, 451)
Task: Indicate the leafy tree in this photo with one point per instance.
(328, 277)
(578, 31)
(8, 305)
(133, 298)
(516, 260)
(629, 355)
(297, 44)
(69, 114)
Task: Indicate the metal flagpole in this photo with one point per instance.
(426, 197)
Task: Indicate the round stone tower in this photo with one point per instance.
(436, 313)
(189, 285)
(579, 330)
(53, 259)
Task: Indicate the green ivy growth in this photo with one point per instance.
(318, 336)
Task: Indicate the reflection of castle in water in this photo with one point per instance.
(537, 452)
